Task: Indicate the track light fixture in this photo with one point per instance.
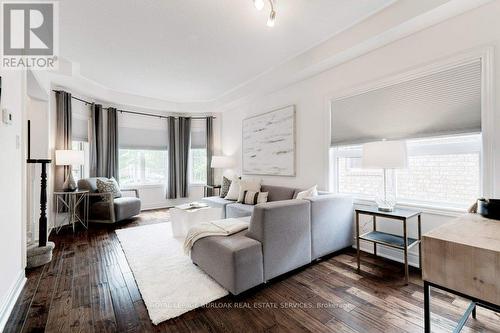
(259, 5)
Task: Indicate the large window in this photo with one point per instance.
(442, 171)
(143, 167)
(198, 169)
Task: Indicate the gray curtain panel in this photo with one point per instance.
(184, 139)
(172, 159)
(63, 134)
(112, 155)
(96, 142)
(210, 152)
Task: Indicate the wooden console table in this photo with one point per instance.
(463, 257)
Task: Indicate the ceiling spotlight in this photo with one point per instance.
(259, 4)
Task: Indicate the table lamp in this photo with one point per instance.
(389, 156)
(222, 162)
(69, 158)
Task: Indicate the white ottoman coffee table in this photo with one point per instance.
(185, 216)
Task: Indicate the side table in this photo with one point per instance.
(206, 187)
(75, 205)
(382, 238)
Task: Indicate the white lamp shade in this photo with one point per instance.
(222, 162)
(70, 157)
(385, 155)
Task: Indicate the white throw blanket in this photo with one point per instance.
(223, 227)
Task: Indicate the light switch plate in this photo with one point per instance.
(7, 117)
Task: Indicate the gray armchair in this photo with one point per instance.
(104, 208)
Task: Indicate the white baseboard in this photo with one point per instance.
(10, 301)
(392, 254)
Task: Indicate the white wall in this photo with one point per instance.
(12, 167)
(475, 29)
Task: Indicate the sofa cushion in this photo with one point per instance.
(248, 185)
(278, 193)
(217, 202)
(125, 207)
(238, 210)
(224, 189)
(235, 261)
(310, 192)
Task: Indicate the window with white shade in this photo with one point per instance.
(439, 116)
(143, 154)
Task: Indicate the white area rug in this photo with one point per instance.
(170, 284)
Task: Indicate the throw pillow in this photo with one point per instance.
(234, 190)
(226, 182)
(108, 186)
(311, 192)
(253, 198)
(248, 185)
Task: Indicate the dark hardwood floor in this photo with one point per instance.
(89, 287)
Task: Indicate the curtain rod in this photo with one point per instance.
(131, 112)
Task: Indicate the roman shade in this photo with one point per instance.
(198, 133)
(139, 132)
(80, 129)
(139, 138)
(444, 102)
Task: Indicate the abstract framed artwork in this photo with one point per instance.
(269, 143)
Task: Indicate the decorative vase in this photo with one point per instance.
(70, 184)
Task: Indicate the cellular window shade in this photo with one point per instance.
(445, 102)
(80, 129)
(141, 138)
(198, 136)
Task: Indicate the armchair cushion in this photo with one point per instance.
(124, 208)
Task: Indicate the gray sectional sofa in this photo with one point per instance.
(283, 234)
(231, 208)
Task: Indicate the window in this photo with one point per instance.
(442, 171)
(143, 167)
(81, 171)
(198, 160)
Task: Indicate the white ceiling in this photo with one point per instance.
(194, 50)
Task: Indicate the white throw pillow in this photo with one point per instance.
(310, 192)
(234, 190)
(248, 185)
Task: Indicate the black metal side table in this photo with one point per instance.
(403, 243)
(213, 187)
